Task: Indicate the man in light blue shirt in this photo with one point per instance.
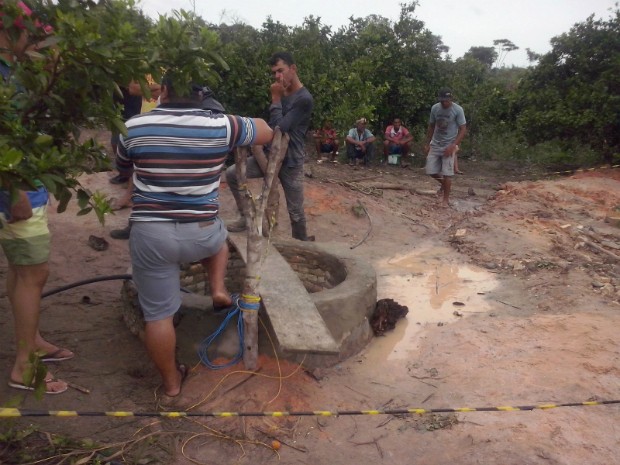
(446, 129)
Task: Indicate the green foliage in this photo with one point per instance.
(64, 82)
(33, 445)
(504, 144)
(485, 55)
(372, 67)
(187, 50)
(503, 47)
(35, 374)
(574, 92)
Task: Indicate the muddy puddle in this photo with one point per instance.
(436, 289)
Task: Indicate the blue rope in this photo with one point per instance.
(236, 310)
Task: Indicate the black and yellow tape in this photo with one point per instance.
(14, 412)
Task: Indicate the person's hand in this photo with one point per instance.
(22, 210)
(450, 150)
(155, 91)
(277, 91)
(427, 148)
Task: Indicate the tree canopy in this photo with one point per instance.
(69, 80)
(66, 77)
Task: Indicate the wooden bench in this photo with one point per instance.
(296, 322)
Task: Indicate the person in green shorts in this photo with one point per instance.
(25, 240)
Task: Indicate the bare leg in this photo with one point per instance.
(160, 339)
(216, 270)
(446, 186)
(404, 150)
(456, 161)
(317, 144)
(24, 287)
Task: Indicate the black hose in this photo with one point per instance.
(95, 280)
(86, 281)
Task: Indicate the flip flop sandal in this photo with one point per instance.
(23, 387)
(56, 357)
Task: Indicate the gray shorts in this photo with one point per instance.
(436, 163)
(157, 249)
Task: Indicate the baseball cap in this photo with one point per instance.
(445, 93)
(361, 121)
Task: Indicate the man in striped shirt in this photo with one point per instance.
(176, 153)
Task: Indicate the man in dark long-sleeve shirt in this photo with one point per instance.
(290, 110)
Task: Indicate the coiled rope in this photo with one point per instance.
(241, 304)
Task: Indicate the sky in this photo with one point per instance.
(461, 24)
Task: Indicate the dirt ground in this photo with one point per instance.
(513, 297)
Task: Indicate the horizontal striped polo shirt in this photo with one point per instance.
(177, 155)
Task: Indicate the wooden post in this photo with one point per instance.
(273, 200)
(254, 209)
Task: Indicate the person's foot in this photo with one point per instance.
(222, 305)
(118, 179)
(52, 385)
(51, 352)
(183, 371)
(237, 225)
(57, 355)
(121, 233)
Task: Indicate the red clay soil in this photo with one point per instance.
(536, 322)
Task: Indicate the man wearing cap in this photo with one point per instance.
(360, 143)
(176, 153)
(446, 130)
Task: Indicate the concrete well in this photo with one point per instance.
(343, 288)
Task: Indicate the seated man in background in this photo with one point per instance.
(397, 139)
(360, 144)
(326, 140)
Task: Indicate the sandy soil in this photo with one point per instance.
(510, 304)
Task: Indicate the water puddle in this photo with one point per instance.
(435, 287)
